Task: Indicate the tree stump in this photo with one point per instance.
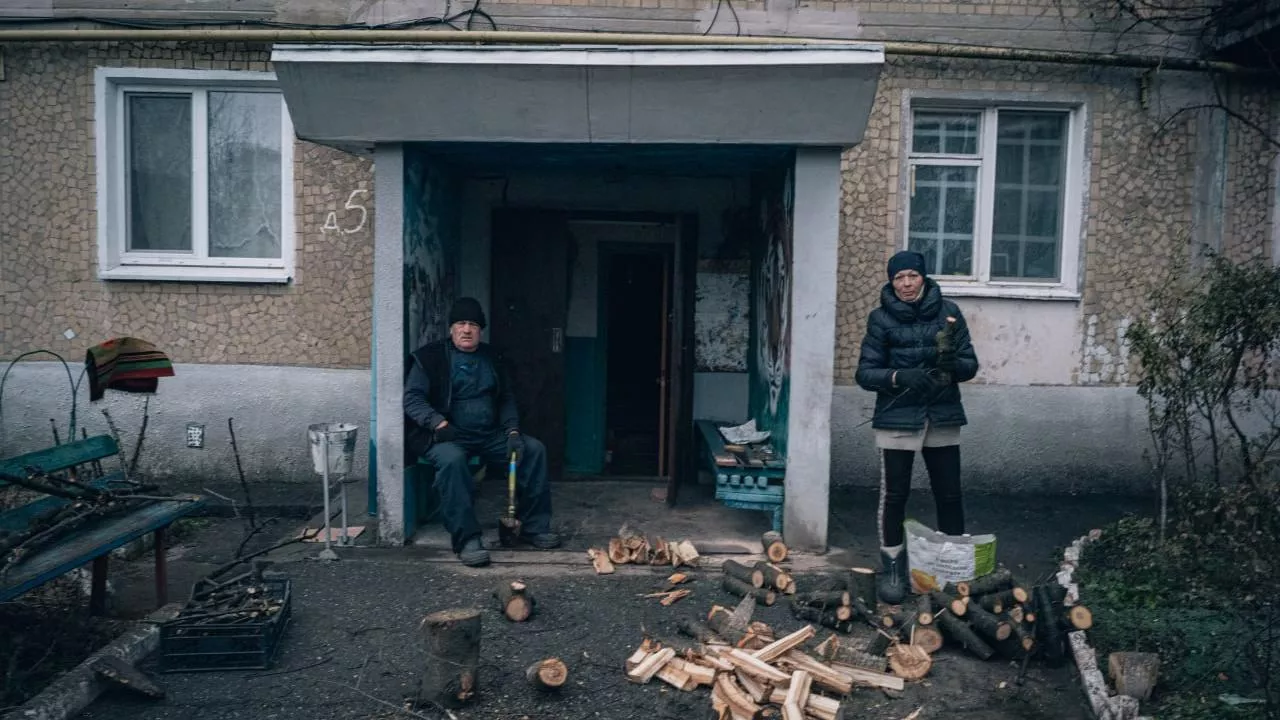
(1134, 673)
(548, 674)
(909, 662)
(451, 643)
(516, 601)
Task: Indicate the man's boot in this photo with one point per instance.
(473, 553)
(891, 583)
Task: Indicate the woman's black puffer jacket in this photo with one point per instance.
(904, 335)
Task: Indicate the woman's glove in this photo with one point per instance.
(947, 362)
(916, 379)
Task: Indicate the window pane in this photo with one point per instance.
(954, 133)
(1030, 159)
(159, 166)
(941, 221)
(244, 175)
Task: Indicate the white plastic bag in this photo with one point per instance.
(936, 559)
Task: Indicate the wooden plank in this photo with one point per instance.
(92, 542)
(60, 457)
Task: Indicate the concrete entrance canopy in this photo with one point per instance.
(357, 96)
(814, 100)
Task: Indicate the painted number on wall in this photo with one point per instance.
(331, 222)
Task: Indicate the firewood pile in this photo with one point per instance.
(631, 546)
(244, 598)
(86, 503)
(754, 672)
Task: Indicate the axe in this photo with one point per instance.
(509, 524)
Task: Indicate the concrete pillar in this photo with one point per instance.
(815, 243)
(388, 354)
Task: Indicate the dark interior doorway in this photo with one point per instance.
(637, 286)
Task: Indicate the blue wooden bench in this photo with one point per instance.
(740, 485)
(94, 541)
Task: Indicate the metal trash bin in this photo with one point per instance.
(333, 451)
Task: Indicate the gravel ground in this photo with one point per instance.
(353, 642)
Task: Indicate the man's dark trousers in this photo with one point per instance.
(454, 483)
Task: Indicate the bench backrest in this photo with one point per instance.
(61, 457)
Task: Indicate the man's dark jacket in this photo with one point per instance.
(436, 360)
(904, 335)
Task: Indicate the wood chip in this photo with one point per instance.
(600, 560)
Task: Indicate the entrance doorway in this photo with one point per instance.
(636, 294)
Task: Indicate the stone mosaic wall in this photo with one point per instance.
(1139, 198)
(1251, 153)
(48, 242)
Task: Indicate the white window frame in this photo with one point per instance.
(115, 261)
(1075, 189)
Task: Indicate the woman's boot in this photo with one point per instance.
(891, 583)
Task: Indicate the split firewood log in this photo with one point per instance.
(924, 610)
(751, 576)
(549, 674)
(1078, 617)
(825, 599)
(957, 606)
(774, 548)
(987, 624)
(699, 631)
(825, 618)
(994, 581)
(600, 561)
(1049, 635)
(650, 666)
(660, 552)
(843, 650)
(618, 553)
(960, 632)
(741, 589)
(515, 600)
(774, 576)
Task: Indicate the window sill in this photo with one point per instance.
(1008, 292)
(153, 273)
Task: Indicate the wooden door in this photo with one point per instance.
(530, 296)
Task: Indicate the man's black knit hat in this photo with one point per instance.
(466, 310)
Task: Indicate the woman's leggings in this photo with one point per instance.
(943, 464)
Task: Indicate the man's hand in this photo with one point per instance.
(445, 433)
(515, 444)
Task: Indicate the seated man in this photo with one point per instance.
(458, 401)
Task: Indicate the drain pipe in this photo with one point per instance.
(490, 37)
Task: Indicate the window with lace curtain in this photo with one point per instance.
(197, 182)
(993, 196)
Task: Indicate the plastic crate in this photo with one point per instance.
(195, 647)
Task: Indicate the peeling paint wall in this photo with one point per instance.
(431, 247)
(769, 355)
(722, 323)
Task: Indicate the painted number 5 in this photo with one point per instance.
(331, 222)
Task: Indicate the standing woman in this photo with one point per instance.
(918, 404)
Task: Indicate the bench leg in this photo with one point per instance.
(162, 570)
(98, 589)
(777, 519)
